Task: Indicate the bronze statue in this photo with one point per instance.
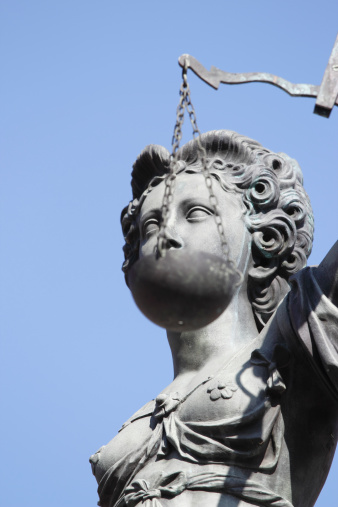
(251, 417)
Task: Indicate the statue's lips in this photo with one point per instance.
(183, 291)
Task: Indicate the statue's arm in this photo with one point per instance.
(327, 274)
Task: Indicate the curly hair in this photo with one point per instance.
(276, 207)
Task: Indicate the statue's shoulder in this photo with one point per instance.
(144, 411)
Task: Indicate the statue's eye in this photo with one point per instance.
(198, 213)
(150, 227)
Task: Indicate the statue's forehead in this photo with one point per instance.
(187, 185)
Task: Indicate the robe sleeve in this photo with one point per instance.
(314, 319)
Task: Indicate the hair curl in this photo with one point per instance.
(277, 209)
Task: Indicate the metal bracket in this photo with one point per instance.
(326, 93)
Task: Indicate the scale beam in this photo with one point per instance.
(326, 93)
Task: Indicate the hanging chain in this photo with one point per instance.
(185, 103)
(162, 237)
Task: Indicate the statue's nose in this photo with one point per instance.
(173, 240)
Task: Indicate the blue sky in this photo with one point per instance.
(85, 86)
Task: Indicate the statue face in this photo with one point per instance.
(191, 222)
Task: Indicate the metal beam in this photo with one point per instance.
(326, 93)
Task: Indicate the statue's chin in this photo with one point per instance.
(185, 290)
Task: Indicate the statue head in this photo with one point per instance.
(269, 186)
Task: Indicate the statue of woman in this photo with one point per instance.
(251, 417)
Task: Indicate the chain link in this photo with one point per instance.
(185, 103)
(162, 238)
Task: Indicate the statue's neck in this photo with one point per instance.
(215, 344)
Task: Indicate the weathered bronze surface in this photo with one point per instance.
(183, 291)
(326, 93)
(251, 417)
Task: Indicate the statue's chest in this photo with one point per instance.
(132, 437)
(227, 395)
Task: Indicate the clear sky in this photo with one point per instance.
(85, 86)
